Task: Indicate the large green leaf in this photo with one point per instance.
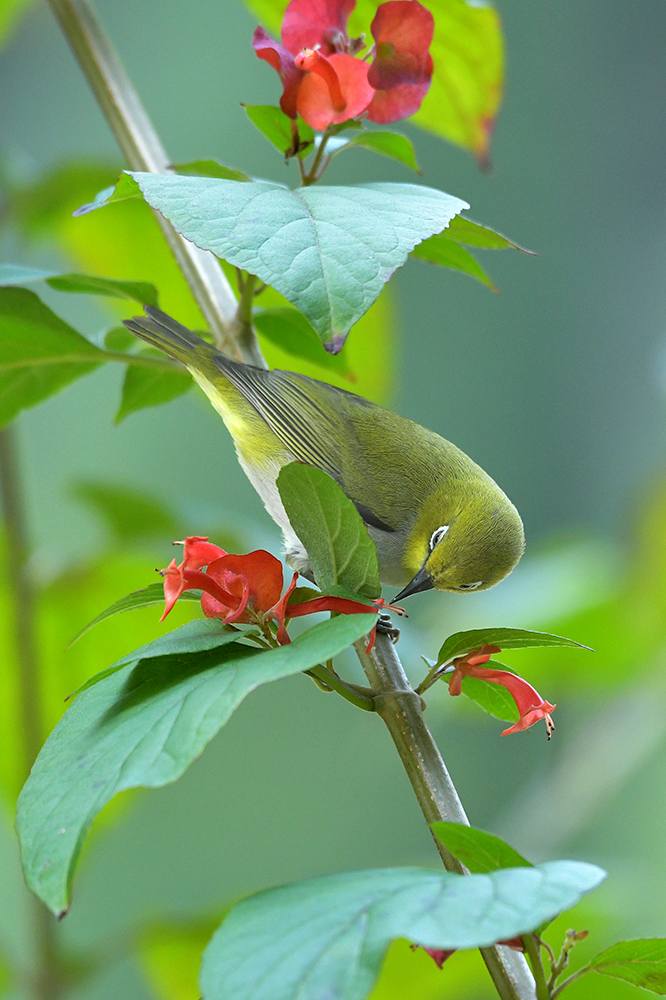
(39, 352)
(479, 851)
(506, 638)
(143, 726)
(641, 962)
(326, 937)
(331, 529)
(492, 698)
(468, 56)
(130, 513)
(328, 250)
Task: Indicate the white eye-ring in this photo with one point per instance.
(437, 536)
(470, 586)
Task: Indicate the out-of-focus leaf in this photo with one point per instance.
(171, 956)
(328, 250)
(641, 962)
(143, 727)
(153, 594)
(290, 330)
(277, 127)
(331, 933)
(391, 144)
(130, 513)
(331, 529)
(446, 253)
(89, 284)
(468, 57)
(144, 387)
(10, 10)
(506, 638)
(479, 851)
(118, 339)
(473, 234)
(39, 352)
(210, 168)
(492, 698)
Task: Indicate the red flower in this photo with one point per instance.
(245, 588)
(531, 705)
(326, 84)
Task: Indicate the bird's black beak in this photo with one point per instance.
(422, 581)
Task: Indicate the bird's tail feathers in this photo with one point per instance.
(160, 330)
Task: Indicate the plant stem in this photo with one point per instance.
(400, 708)
(47, 983)
(567, 982)
(352, 694)
(533, 951)
(143, 150)
(311, 177)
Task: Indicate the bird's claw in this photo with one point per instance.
(386, 627)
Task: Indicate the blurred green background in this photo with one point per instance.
(555, 387)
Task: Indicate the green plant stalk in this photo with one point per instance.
(47, 982)
(395, 702)
(351, 694)
(570, 979)
(400, 708)
(533, 952)
(143, 150)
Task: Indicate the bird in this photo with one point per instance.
(437, 519)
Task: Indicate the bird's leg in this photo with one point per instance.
(385, 625)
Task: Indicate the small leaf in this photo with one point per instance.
(277, 127)
(327, 937)
(492, 698)
(641, 962)
(118, 339)
(39, 352)
(290, 330)
(210, 168)
(144, 387)
(479, 851)
(506, 638)
(447, 253)
(142, 727)
(137, 291)
(331, 529)
(473, 234)
(129, 513)
(124, 188)
(392, 144)
(153, 594)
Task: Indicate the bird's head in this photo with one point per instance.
(464, 540)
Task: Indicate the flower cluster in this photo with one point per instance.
(326, 82)
(247, 588)
(531, 706)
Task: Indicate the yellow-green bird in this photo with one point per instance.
(437, 519)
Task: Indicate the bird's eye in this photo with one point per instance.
(437, 536)
(470, 586)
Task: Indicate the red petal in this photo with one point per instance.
(398, 103)
(262, 571)
(199, 552)
(308, 23)
(281, 60)
(340, 604)
(402, 30)
(280, 612)
(174, 585)
(316, 103)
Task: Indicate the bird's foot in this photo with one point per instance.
(386, 627)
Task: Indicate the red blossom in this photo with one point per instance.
(198, 552)
(531, 706)
(325, 82)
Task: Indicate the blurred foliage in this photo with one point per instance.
(9, 13)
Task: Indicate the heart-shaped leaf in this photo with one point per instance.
(479, 851)
(506, 638)
(331, 529)
(328, 250)
(142, 727)
(327, 937)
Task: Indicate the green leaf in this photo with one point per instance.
(210, 168)
(153, 594)
(328, 936)
(479, 851)
(290, 330)
(447, 253)
(124, 188)
(9, 13)
(492, 698)
(641, 962)
(328, 250)
(142, 727)
(119, 339)
(391, 144)
(506, 638)
(129, 513)
(473, 234)
(331, 529)
(273, 123)
(144, 387)
(39, 352)
(137, 291)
